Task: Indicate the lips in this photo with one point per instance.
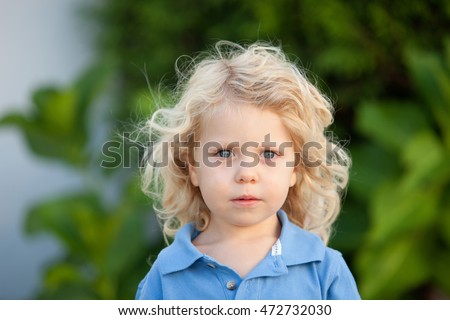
(246, 200)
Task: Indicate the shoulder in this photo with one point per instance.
(180, 254)
(170, 259)
(303, 248)
(332, 256)
(150, 288)
(336, 277)
(332, 262)
(299, 246)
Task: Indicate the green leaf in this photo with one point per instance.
(391, 124)
(432, 79)
(127, 242)
(371, 166)
(92, 83)
(388, 271)
(56, 112)
(426, 162)
(57, 126)
(13, 119)
(70, 220)
(61, 274)
(129, 222)
(395, 211)
(51, 131)
(344, 59)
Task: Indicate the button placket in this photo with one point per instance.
(226, 276)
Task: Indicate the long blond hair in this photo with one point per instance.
(260, 75)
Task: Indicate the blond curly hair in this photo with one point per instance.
(259, 74)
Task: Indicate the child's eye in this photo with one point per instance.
(224, 153)
(269, 154)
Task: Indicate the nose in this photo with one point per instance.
(246, 175)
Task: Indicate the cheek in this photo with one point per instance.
(213, 178)
(193, 176)
(293, 179)
(284, 175)
(213, 188)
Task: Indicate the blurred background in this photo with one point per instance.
(75, 74)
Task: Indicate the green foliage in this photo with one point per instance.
(104, 240)
(105, 247)
(407, 243)
(57, 124)
(385, 64)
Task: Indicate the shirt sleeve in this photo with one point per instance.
(342, 285)
(150, 287)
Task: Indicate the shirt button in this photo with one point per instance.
(231, 285)
(211, 265)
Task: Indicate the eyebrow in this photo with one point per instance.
(235, 144)
(225, 144)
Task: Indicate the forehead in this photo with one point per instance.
(243, 122)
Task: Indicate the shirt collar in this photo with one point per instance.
(296, 246)
(181, 254)
(299, 246)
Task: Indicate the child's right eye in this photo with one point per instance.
(224, 153)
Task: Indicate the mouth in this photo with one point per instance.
(246, 200)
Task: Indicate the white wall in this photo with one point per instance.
(42, 42)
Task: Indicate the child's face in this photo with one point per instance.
(244, 165)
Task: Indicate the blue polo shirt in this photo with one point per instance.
(299, 266)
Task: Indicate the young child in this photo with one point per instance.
(248, 181)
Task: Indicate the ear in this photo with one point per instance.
(193, 176)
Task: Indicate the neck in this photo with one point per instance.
(217, 231)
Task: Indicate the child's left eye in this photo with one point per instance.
(269, 154)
